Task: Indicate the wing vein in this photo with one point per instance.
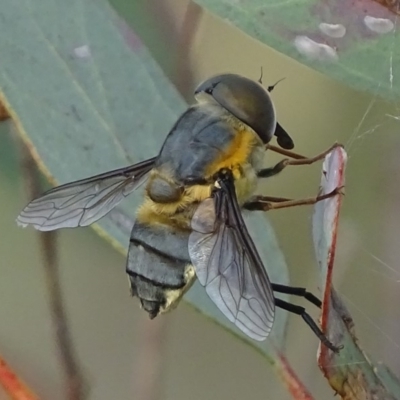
(228, 265)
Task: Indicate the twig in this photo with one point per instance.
(184, 73)
(3, 113)
(148, 365)
(12, 384)
(180, 40)
(292, 382)
(75, 387)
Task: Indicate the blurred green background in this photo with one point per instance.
(202, 361)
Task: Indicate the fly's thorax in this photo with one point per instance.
(246, 182)
(206, 140)
(244, 158)
(170, 203)
(256, 157)
(240, 150)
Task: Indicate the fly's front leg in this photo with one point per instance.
(297, 159)
(268, 172)
(266, 203)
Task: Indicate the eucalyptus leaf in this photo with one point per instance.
(351, 372)
(355, 42)
(87, 97)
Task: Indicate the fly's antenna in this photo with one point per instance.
(272, 87)
(261, 76)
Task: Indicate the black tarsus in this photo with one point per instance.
(308, 320)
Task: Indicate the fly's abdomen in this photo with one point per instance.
(159, 266)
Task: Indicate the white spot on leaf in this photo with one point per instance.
(314, 50)
(82, 51)
(332, 30)
(379, 25)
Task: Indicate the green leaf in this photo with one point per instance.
(357, 42)
(351, 373)
(87, 97)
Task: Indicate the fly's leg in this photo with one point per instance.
(297, 291)
(308, 320)
(297, 159)
(268, 172)
(270, 198)
(302, 160)
(266, 203)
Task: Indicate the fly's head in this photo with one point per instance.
(249, 102)
(245, 99)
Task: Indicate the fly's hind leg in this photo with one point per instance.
(302, 292)
(297, 291)
(266, 203)
(309, 321)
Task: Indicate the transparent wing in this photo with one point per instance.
(85, 201)
(228, 265)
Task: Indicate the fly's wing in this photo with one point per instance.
(229, 266)
(85, 201)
